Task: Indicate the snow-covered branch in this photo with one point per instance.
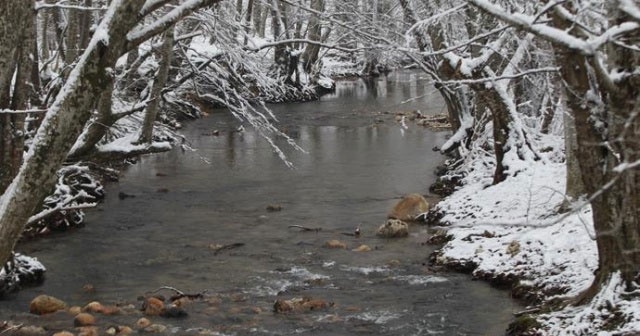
(8, 111)
(528, 23)
(61, 5)
(306, 41)
(143, 33)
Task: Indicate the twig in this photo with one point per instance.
(226, 247)
(305, 229)
(180, 294)
(11, 328)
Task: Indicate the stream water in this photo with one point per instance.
(359, 162)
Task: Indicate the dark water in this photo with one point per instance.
(356, 167)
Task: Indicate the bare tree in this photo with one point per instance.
(599, 68)
(117, 33)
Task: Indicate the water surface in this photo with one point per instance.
(358, 163)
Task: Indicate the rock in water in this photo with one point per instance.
(152, 306)
(393, 228)
(335, 244)
(409, 207)
(45, 304)
(84, 319)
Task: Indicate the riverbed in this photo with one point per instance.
(183, 205)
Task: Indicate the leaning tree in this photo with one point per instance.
(119, 31)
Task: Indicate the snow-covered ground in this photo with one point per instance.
(512, 230)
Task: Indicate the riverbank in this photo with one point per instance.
(512, 235)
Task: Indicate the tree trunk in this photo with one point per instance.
(71, 38)
(616, 211)
(146, 134)
(248, 21)
(66, 118)
(15, 66)
(450, 94)
(310, 56)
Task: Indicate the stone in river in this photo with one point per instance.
(362, 248)
(84, 319)
(393, 228)
(409, 208)
(152, 306)
(143, 322)
(45, 304)
(335, 244)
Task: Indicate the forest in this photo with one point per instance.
(535, 92)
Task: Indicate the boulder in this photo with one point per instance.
(409, 207)
(45, 304)
(393, 228)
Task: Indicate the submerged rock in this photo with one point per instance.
(409, 208)
(45, 304)
(274, 207)
(335, 244)
(300, 305)
(393, 228)
(362, 248)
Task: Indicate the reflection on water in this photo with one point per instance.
(357, 164)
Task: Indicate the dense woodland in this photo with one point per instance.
(78, 75)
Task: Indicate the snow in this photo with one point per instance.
(513, 229)
(126, 144)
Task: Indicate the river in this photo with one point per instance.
(358, 163)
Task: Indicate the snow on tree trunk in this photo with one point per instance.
(64, 122)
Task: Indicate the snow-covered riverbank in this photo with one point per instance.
(512, 234)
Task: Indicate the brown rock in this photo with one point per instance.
(274, 207)
(124, 330)
(63, 333)
(362, 248)
(315, 304)
(45, 304)
(26, 331)
(110, 310)
(393, 228)
(88, 331)
(335, 244)
(155, 328)
(297, 305)
(152, 306)
(142, 323)
(409, 207)
(75, 310)
(84, 319)
(93, 307)
(283, 306)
